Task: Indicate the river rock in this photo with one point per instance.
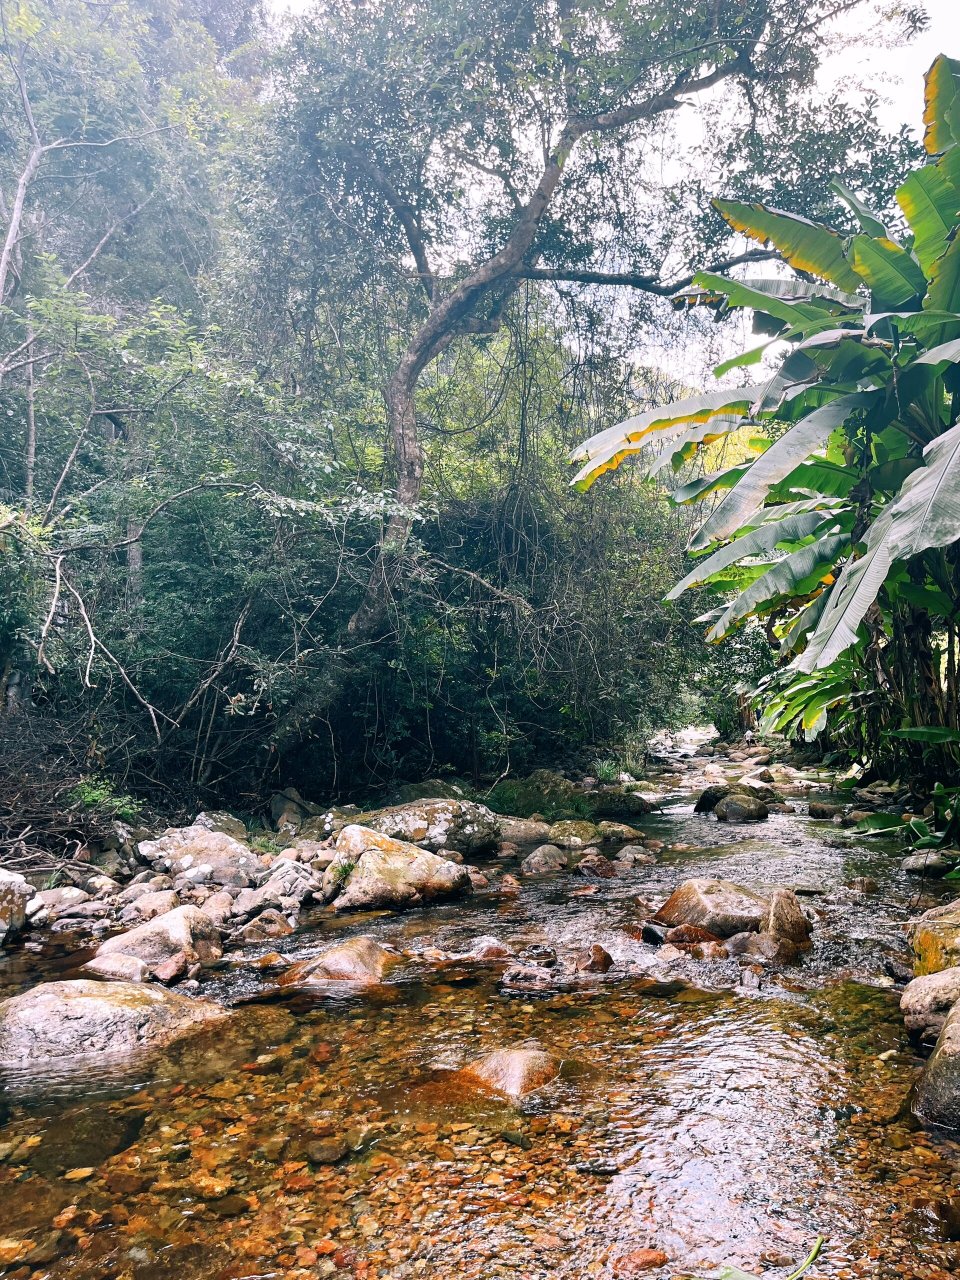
(610, 831)
(785, 918)
(595, 866)
(593, 959)
(926, 1001)
(635, 855)
(935, 938)
(289, 884)
(711, 796)
(15, 893)
(185, 932)
(458, 825)
(524, 831)
(487, 947)
(937, 1099)
(373, 870)
(59, 1022)
(824, 811)
(514, 1073)
(574, 834)
(543, 860)
(149, 905)
(719, 906)
(361, 961)
(618, 802)
(269, 924)
(117, 968)
(185, 850)
(738, 807)
(931, 863)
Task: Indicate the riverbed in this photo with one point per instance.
(705, 1114)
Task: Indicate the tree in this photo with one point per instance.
(474, 147)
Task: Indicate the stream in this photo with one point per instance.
(704, 1116)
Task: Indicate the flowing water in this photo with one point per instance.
(712, 1116)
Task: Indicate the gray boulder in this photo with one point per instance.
(937, 1099)
(373, 870)
(190, 851)
(927, 1000)
(185, 932)
(461, 826)
(62, 1022)
(543, 860)
(737, 807)
(931, 863)
(785, 918)
(15, 893)
(523, 830)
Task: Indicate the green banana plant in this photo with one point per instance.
(836, 519)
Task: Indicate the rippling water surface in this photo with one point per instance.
(696, 1117)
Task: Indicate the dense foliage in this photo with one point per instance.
(296, 331)
(839, 522)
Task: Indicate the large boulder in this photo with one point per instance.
(15, 893)
(59, 1022)
(935, 938)
(523, 830)
(459, 825)
(543, 860)
(937, 1099)
(360, 961)
(926, 1001)
(374, 870)
(720, 907)
(738, 807)
(185, 934)
(220, 820)
(618, 802)
(514, 1073)
(203, 854)
(574, 834)
(711, 796)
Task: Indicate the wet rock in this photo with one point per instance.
(926, 1001)
(360, 960)
(184, 851)
(59, 1022)
(326, 1151)
(785, 918)
(741, 808)
(530, 977)
(593, 959)
(539, 953)
(461, 826)
(489, 948)
(824, 811)
(574, 834)
(185, 931)
(266, 926)
(635, 855)
(524, 830)
(638, 1262)
(510, 885)
(762, 946)
(117, 968)
(543, 860)
(15, 893)
(937, 1099)
(594, 866)
(289, 884)
(935, 938)
(721, 907)
(931, 864)
(507, 849)
(478, 881)
(687, 933)
(654, 934)
(863, 884)
(711, 796)
(373, 870)
(514, 1073)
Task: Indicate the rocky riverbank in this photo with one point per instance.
(431, 994)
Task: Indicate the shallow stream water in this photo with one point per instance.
(698, 1115)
